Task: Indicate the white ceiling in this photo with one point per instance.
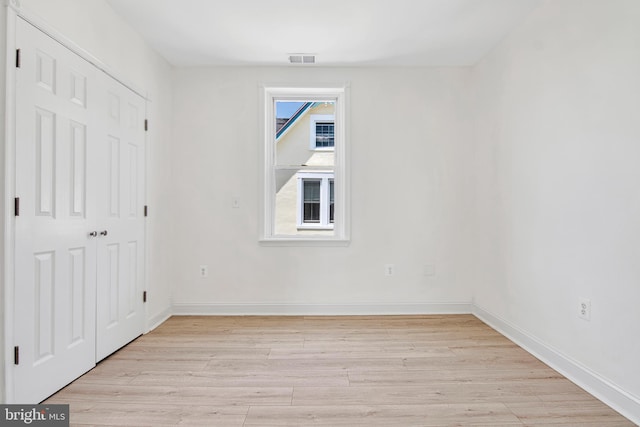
(340, 32)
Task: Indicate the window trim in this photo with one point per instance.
(268, 95)
(322, 118)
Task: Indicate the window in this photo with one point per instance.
(331, 201)
(324, 135)
(304, 180)
(311, 201)
(322, 132)
(315, 200)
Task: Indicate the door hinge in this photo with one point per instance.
(144, 296)
(16, 355)
(17, 58)
(146, 210)
(16, 206)
(146, 124)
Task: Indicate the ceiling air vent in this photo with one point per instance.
(302, 58)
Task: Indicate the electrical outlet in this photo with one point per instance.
(584, 308)
(235, 203)
(204, 271)
(389, 269)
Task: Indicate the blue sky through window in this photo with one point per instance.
(285, 109)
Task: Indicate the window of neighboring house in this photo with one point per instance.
(331, 201)
(310, 201)
(322, 131)
(305, 197)
(315, 200)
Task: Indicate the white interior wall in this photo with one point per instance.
(410, 187)
(558, 183)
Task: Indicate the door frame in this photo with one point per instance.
(9, 191)
(14, 11)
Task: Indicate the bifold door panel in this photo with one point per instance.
(79, 236)
(121, 217)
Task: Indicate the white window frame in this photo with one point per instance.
(341, 226)
(322, 118)
(324, 178)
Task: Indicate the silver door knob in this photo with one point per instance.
(93, 234)
(103, 233)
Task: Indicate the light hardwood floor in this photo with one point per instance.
(333, 371)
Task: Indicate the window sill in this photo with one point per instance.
(304, 241)
(315, 227)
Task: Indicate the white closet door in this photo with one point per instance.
(55, 262)
(121, 220)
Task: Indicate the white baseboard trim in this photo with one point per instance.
(594, 384)
(320, 309)
(158, 319)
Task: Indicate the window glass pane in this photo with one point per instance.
(311, 190)
(303, 164)
(330, 200)
(301, 127)
(301, 202)
(285, 110)
(311, 212)
(311, 197)
(324, 135)
(331, 190)
(286, 202)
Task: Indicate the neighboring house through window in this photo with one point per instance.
(305, 187)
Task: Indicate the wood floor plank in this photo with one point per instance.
(567, 412)
(386, 415)
(167, 394)
(450, 376)
(123, 366)
(192, 353)
(180, 341)
(272, 365)
(136, 414)
(362, 353)
(331, 371)
(244, 378)
(506, 391)
(493, 362)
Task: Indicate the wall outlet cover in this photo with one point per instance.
(204, 271)
(584, 308)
